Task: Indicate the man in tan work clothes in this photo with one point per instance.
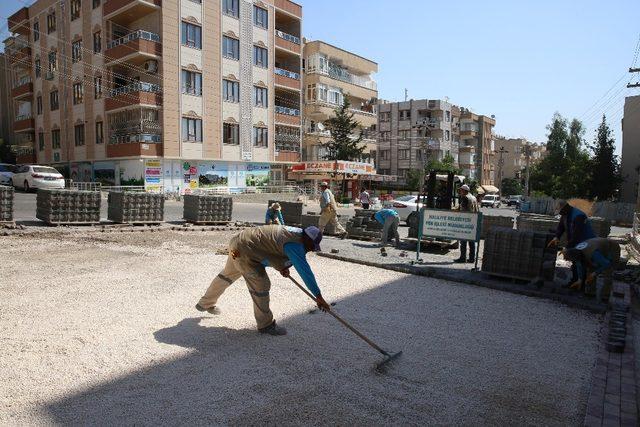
(329, 211)
(254, 249)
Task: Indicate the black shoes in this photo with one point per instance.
(273, 329)
(460, 260)
(211, 310)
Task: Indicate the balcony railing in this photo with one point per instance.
(288, 37)
(48, 75)
(287, 111)
(135, 87)
(364, 113)
(287, 73)
(145, 138)
(139, 34)
(23, 81)
(24, 117)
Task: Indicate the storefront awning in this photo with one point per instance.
(490, 189)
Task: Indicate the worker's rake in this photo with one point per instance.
(388, 357)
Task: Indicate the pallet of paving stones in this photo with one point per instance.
(489, 222)
(68, 207)
(291, 211)
(135, 207)
(549, 224)
(207, 209)
(6, 204)
(363, 227)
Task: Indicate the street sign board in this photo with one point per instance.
(452, 225)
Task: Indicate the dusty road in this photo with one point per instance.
(99, 329)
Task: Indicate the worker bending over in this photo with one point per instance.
(577, 226)
(254, 249)
(597, 256)
(390, 220)
(274, 215)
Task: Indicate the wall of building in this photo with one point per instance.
(630, 149)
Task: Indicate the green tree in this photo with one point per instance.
(511, 187)
(343, 145)
(606, 177)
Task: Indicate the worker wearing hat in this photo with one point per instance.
(593, 257)
(254, 249)
(274, 215)
(576, 225)
(329, 210)
(468, 203)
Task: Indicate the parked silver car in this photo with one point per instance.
(6, 173)
(30, 177)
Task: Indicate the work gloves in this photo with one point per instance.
(553, 243)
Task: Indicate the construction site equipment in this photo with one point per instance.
(6, 204)
(207, 209)
(62, 207)
(291, 211)
(388, 357)
(135, 208)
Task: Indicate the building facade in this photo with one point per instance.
(6, 119)
(170, 93)
(332, 75)
(477, 146)
(630, 149)
(515, 153)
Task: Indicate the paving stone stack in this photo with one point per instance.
(363, 226)
(135, 207)
(491, 222)
(519, 254)
(291, 211)
(547, 223)
(601, 226)
(207, 208)
(68, 206)
(312, 219)
(6, 204)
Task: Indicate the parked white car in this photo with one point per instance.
(29, 177)
(404, 205)
(6, 174)
(490, 201)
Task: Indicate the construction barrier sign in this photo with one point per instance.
(452, 225)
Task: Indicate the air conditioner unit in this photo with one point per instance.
(151, 66)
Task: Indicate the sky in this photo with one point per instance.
(519, 60)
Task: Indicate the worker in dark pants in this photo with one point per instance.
(577, 226)
(468, 203)
(593, 258)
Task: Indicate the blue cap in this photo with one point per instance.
(315, 235)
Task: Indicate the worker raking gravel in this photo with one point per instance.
(254, 249)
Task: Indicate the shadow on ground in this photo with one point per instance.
(462, 363)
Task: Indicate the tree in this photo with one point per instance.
(343, 145)
(511, 187)
(606, 177)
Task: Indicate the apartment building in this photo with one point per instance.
(332, 75)
(476, 147)
(170, 93)
(630, 149)
(414, 131)
(6, 120)
(514, 157)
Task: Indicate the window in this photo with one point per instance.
(447, 135)
(41, 141)
(55, 139)
(419, 155)
(191, 130)
(39, 105)
(78, 132)
(53, 100)
(76, 51)
(96, 3)
(191, 35)
(317, 92)
(405, 114)
(260, 17)
(230, 7)
(385, 154)
(404, 134)
(230, 91)
(99, 133)
(385, 136)
(402, 173)
(447, 115)
(75, 6)
(53, 61)
(77, 93)
(404, 154)
(230, 47)
(260, 136)
(97, 87)
(191, 83)
(260, 57)
(385, 117)
(38, 67)
(231, 134)
(335, 96)
(260, 97)
(51, 22)
(97, 42)
(36, 31)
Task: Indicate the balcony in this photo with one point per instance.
(289, 7)
(23, 87)
(24, 122)
(25, 154)
(466, 134)
(135, 94)
(20, 55)
(134, 149)
(19, 21)
(48, 75)
(127, 11)
(288, 42)
(287, 116)
(138, 44)
(287, 78)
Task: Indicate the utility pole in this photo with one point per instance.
(502, 152)
(527, 153)
(64, 84)
(633, 85)
(406, 95)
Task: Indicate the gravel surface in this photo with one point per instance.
(99, 329)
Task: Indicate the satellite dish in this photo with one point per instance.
(320, 127)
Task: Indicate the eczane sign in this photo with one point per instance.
(451, 224)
